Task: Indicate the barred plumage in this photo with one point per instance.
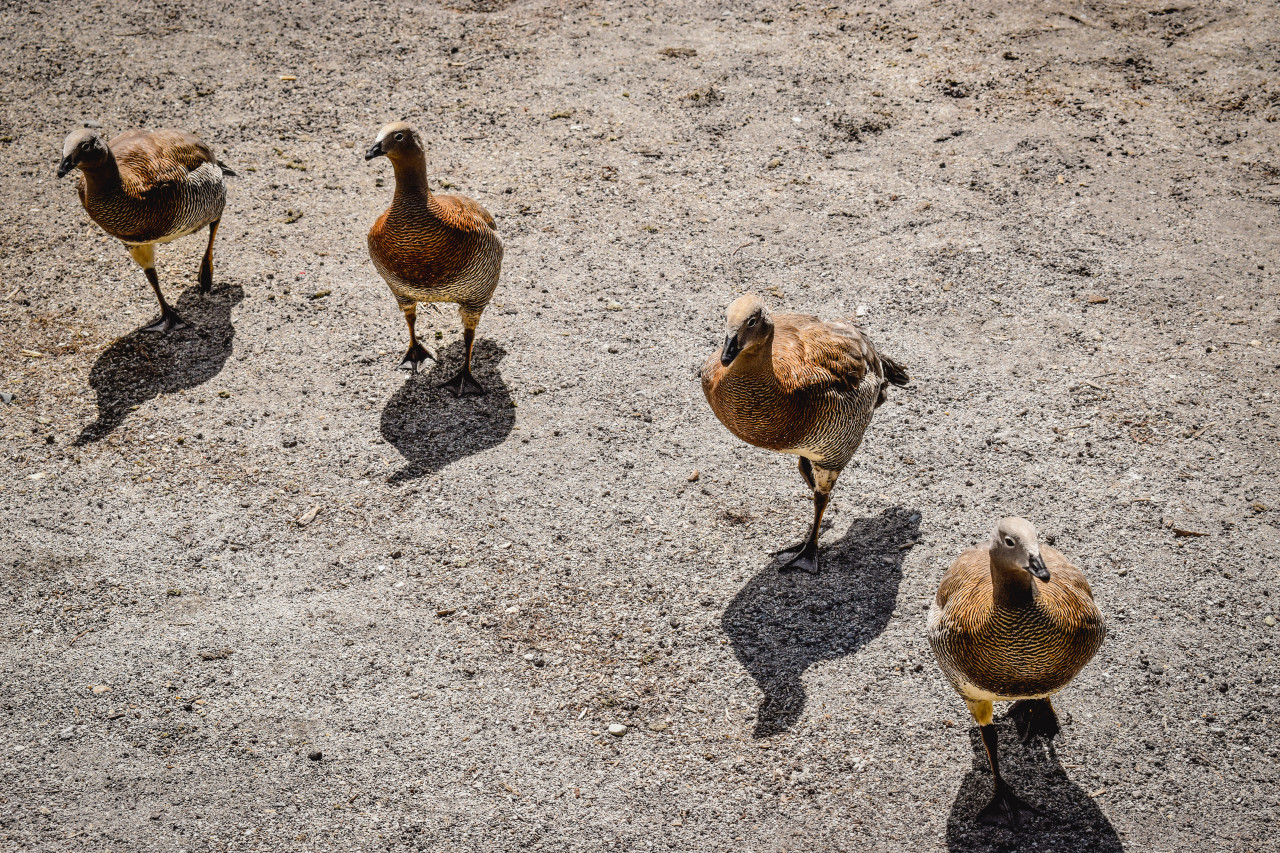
(145, 188)
(1013, 620)
(433, 248)
(796, 384)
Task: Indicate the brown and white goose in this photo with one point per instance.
(1013, 620)
(433, 248)
(145, 188)
(796, 384)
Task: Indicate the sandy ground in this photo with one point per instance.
(1062, 218)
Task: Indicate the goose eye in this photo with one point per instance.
(84, 146)
(1008, 540)
(399, 137)
(751, 323)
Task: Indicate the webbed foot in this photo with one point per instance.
(414, 357)
(1007, 809)
(463, 384)
(169, 322)
(802, 558)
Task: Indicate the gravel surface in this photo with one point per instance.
(261, 591)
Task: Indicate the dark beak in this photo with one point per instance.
(65, 166)
(375, 151)
(731, 350)
(1037, 568)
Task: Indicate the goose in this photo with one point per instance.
(433, 248)
(1013, 620)
(148, 187)
(796, 384)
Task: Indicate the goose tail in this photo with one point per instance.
(894, 372)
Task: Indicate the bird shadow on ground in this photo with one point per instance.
(1072, 820)
(431, 428)
(780, 624)
(143, 365)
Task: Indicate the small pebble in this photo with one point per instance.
(617, 729)
(316, 755)
(613, 306)
(1270, 621)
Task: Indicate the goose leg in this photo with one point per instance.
(145, 257)
(206, 265)
(1035, 718)
(1006, 808)
(463, 383)
(806, 471)
(804, 557)
(417, 353)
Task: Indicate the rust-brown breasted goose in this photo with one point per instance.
(433, 248)
(1013, 620)
(800, 385)
(149, 187)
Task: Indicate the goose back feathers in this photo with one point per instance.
(1003, 634)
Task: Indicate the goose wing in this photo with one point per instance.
(463, 213)
(160, 157)
(814, 356)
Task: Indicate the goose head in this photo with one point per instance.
(396, 141)
(1014, 543)
(83, 149)
(748, 327)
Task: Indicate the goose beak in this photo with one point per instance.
(375, 151)
(65, 166)
(731, 350)
(1038, 568)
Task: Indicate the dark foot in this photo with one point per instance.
(1034, 718)
(169, 322)
(802, 558)
(206, 279)
(414, 358)
(463, 384)
(1007, 809)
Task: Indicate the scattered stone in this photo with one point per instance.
(315, 755)
(224, 394)
(774, 163)
(613, 306)
(216, 654)
(658, 727)
(6, 397)
(693, 478)
(678, 52)
(98, 690)
(614, 348)
(308, 516)
(1270, 621)
(617, 729)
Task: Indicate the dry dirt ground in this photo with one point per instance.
(1063, 218)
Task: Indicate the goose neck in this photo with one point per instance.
(1011, 585)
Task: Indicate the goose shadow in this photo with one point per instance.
(431, 428)
(781, 623)
(143, 365)
(1072, 821)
